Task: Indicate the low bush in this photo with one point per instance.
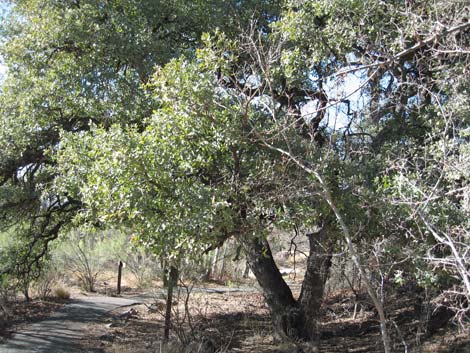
(61, 293)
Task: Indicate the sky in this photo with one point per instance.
(335, 116)
(3, 70)
(347, 88)
(4, 7)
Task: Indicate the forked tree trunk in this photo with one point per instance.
(316, 275)
(288, 317)
(292, 319)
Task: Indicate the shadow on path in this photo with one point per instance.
(60, 332)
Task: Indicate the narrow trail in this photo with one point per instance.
(60, 332)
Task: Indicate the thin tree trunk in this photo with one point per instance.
(356, 259)
(215, 259)
(222, 265)
(26, 291)
(165, 270)
(246, 272)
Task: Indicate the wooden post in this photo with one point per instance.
(120, 265)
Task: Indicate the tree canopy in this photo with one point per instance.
(73, 64)
(347, 116)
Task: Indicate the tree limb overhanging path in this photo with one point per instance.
(60, 332)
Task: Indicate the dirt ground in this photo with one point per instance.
(239, 323)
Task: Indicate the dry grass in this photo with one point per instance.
(61, 293)
(240, 323)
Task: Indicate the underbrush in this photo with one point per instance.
(239, 322)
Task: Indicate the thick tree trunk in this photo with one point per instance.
(316, 275)
(27, 298)
(288, 317)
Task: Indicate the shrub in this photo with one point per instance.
(61, 293)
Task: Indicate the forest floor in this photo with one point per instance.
(239, 322)
(236, 319)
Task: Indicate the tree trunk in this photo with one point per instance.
(27, 298)
(316, 275)
(288, 318)
(164, 265)
(222, 265)
(172, 282)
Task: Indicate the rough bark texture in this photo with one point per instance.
(293, 319)
(288, 318)
(316, 275)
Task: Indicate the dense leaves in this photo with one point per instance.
(350, 116)
(72, 64)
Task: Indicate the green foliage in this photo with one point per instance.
(77, 64)
(86, 254)
(150, 178)
(126, 113)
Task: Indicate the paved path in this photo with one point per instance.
(60, 332)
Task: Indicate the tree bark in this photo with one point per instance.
(316, 275)
(352, 249)
(172, 282)
(288, 318)
(27, 298)
(215, 260)
(222, 265)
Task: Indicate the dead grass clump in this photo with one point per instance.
(61, 293)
